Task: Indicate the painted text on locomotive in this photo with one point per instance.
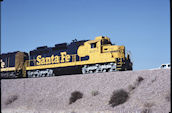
(53, 59)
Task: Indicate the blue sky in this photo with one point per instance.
(142, 26)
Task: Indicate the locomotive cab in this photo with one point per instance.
(102, 53)
(93, 46)
(101, 46)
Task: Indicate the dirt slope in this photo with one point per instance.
(148, 92)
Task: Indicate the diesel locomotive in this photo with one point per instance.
(85, 56)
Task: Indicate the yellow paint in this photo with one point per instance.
(8, 69)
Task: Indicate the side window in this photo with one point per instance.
(93, 45)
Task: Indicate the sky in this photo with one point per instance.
(142, 26)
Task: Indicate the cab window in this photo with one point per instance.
(93, 45)
(104, 42)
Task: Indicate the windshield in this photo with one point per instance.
(104, 42)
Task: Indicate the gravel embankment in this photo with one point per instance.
(51, 94)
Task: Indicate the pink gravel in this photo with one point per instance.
(51, 94)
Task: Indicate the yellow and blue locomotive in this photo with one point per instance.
(85, 56)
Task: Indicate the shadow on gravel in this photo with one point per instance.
(118, 97)
(136, 84)
(11, 99)
(75, 96)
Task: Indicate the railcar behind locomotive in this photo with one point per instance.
(85, 56)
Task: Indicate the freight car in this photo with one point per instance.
(85, 56)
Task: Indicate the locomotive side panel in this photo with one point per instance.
(56, 59)
(58, 53)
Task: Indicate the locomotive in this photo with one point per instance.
(78, 57)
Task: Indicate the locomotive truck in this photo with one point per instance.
(85, 56)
